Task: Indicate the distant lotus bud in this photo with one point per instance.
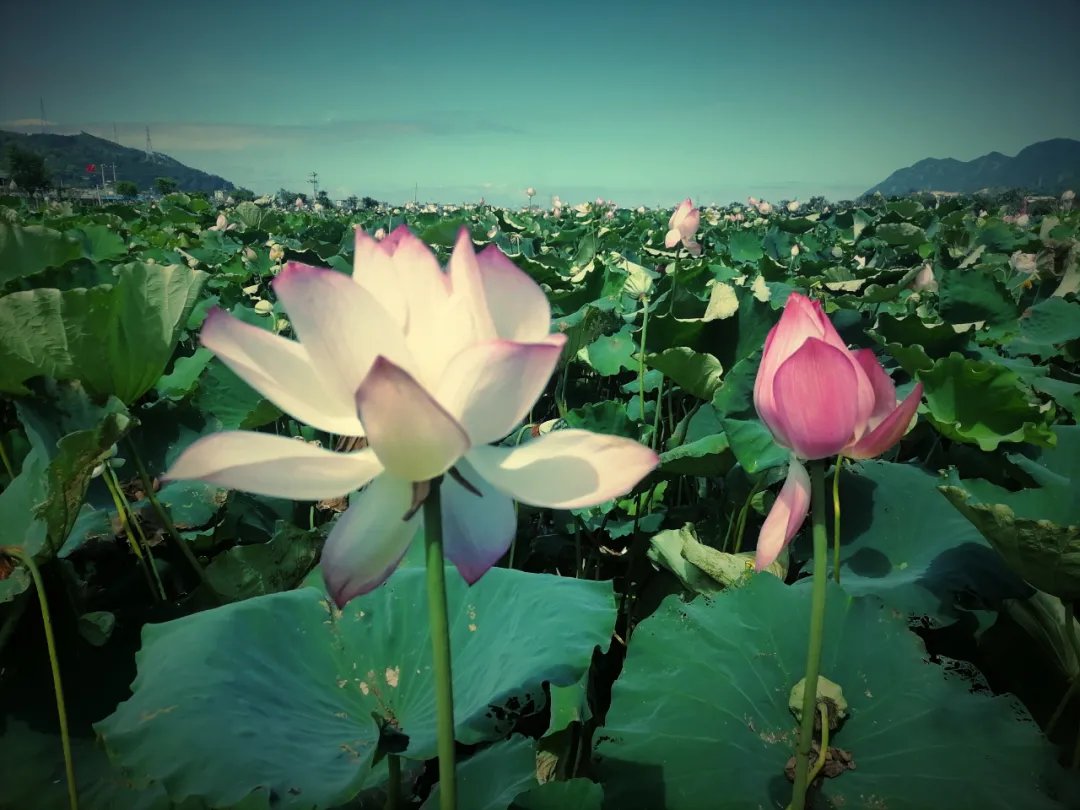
(250, 254)
(764, 208)
(277, 253)
(1023, 262)
(752, 202)
(263, 307)
(530, 192)
(380, 234)
(221, 224)
(318, 208)
(794, 251)
(298, 202)
(925, 280)
(793, 206)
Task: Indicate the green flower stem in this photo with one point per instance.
(740, 528)
(111, 485)
(440, 647)
(1074, 689)
(7, 461)
(58, 690)
(393, 783)
(817, 632)
(133, 520)
(641, 354)
(823, 712)
(654, 440)
(836, 518)
(166, 521)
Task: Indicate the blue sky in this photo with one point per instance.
(640, 102)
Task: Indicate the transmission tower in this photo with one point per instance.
(313, 178)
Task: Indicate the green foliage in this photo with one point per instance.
(27, 169)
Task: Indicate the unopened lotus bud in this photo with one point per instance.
(277, 253)
(263, 307)
(530, 192)
(794, 251)
(380, 234)
(793, 206)
(764, 208)
(250, 255)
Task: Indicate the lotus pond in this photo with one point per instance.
(437, 507)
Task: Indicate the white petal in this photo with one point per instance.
(565, 469)
(477, 529)
(274, 465)
(369, 539)
(519, 308)
(411, 433)
(342, 327)
(489, 387)
(281, 371)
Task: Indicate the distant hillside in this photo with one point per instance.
(67, 156)
(1049, 167)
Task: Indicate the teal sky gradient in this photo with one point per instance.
(633, 101)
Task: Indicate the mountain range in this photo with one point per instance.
(1047, 167)
(67, 158)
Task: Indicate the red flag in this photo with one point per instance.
(90, 167)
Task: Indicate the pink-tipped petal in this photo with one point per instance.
(369, 539)
(565, 469)
(273, 465)
(373, 270)
(816, 393)
(891, 429)
(786, 516)
(491, 386)
(799, 321)
(342, 327)
(692, 247)
(467, 289)
(519, 308)
(680, 213)
(281, 370)
(672, 238)
(477, 530)
(690, 223)
(880, 383)
(411, 433)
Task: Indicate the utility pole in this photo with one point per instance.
(415, 193)
(313, 178)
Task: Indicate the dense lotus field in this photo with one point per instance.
(674, 505)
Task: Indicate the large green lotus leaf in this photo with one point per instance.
(287, 694)
(901, 234)
(697, 373)
(257, 569)
(745, 247)
(1045, 326)
(100, 243)
(611, 354)
(116, 338)
(75, 436)
(492, 777)
(937, 340)
(39, 782)
(224, 395)
(901, 540)
(1037, 530)
(699, 718)
(982, 403)
(970, 295)
(22, 527)
(753, 445)
(25, 251)
(578, 794)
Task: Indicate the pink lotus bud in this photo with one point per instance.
(298, 202)
(682, 226)
(820, 399)
(764, 208)
(925, 280)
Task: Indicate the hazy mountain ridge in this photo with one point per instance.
(1048, 167)
(67, 157)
